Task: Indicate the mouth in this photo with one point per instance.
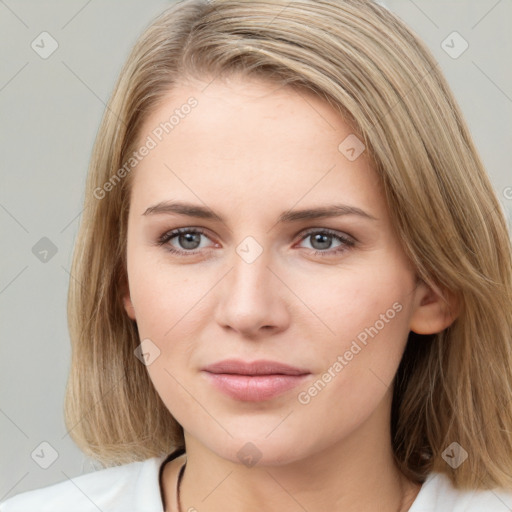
(254, 381)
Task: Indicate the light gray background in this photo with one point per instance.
(51, 109)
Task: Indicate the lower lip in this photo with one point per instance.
(254, 388)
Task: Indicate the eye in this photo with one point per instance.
(322, 239)
(188, 238)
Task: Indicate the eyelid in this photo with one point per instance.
(302, 234)
(172, 233)
(329, 231)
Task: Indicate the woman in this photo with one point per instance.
(292, 283)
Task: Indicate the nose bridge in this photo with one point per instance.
(250, 296)
(250, 276)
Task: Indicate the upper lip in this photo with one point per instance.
(261, 367)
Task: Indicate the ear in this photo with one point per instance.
(434, 310)
(127, 300)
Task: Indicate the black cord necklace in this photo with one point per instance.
(180, 475)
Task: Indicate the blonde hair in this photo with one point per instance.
(455, 386)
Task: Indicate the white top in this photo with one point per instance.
(135, 488)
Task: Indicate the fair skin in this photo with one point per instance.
(250, 151)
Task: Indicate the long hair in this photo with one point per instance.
(454, 386)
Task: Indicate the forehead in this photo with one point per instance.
(248, 140)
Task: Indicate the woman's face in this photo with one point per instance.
(258, 276)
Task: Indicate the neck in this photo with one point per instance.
(356, 473)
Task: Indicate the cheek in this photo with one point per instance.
(350, 300)
(162, 294)
(368, 313)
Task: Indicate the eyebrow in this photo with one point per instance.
(192, 210)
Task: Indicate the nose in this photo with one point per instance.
(251, 298)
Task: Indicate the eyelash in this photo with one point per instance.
(346, 241)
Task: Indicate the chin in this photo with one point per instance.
(259, 451)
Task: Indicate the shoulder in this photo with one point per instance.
(132, 487)
(438, 495)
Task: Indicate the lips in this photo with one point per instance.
(253, 381)
(238, 367)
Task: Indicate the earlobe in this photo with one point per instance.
(127, 300)
(128, 306)
(435, 310)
